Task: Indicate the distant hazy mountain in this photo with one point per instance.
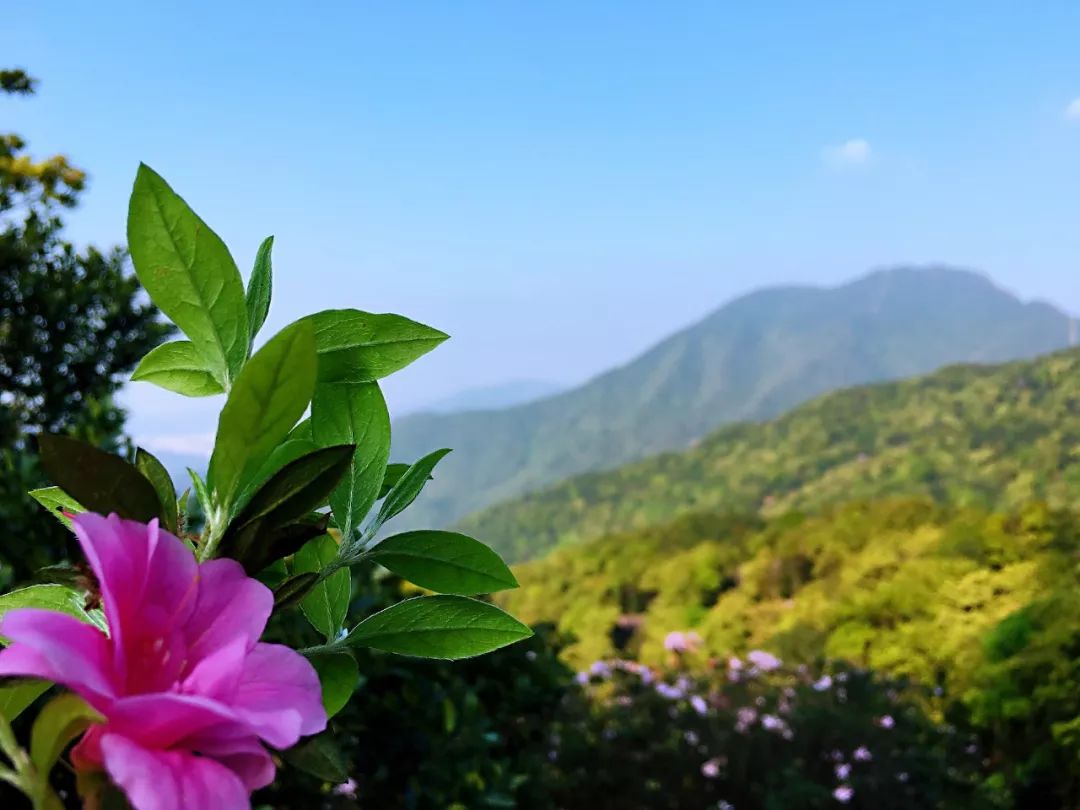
(503, 395)
(752, 359)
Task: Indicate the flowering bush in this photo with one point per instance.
(158, 635)
(754, 733)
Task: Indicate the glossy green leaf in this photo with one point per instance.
(271, 545)
(318, 756)
(358, 347)
(259, 287)
(447, 627)
(202, 492)
(391, 477)
(302, 432)
(17, 695)
(267, 399)
(100, 481)
(60, 721)
(445, 562)
(291, 494)
(57, 502)
(178, 367)
(189, 274)
(293, 589)
(409, 486)
(326, 605)
(338, 675)
(162, 482)
(285, 453)
(299, 486)
(353, 414)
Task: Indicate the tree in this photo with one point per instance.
(72, 324)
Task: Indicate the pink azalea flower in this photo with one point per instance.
(764, 661)
(188, 692)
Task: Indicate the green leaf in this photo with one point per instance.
(100, 481)
(269, 396)
(404, 492)
(291, 493)
(293, 589)
(448, 627)
(446, 562)
(162, 482)
(60, 721)
(285, 453)
(57, 598)
(272, 545)
(302, 432)
(353, 414)
(57, 502)
(338, 675)
(318, 756)
(202, 492)
(189, 274)
(178, 367)
(298, 487)
(16, 696)
(327, 603)
(391, 477)
(259, 287)
(358, 347)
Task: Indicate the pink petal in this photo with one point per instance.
(59, 648)
(218, 674)
(230, 605)
(126, 556)
(243, 755)
(86, 755)
(280, 696)
(166, 719)
(171, 780)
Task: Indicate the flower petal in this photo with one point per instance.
(244, 755)
(230, 605)
(59, 648)
(167, 719)
(218, 674)
(171, 780)
(147, 577)
(279, 695)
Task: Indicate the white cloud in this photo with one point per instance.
(854, 152)
(188, 444)
(1072, 110)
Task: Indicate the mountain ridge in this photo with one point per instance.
(966, 434)
(751, 359)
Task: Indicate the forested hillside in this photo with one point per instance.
(992, 436)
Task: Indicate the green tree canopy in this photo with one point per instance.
(72, 325)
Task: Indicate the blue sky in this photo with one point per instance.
(558, 185)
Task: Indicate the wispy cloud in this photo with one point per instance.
(1072, 110)
(854, 152)
(190, 444)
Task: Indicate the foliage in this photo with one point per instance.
(272, 473)
(72, 323)
(752, 359)
(761, 737)
(978, 606)
(995, 436)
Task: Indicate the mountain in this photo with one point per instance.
(752, 359)
(502, 395)
(995, 436)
